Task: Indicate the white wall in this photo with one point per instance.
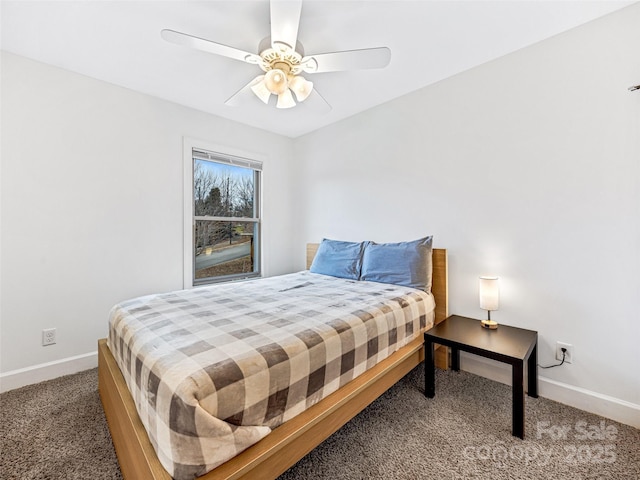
(92, 194)
(527, 167)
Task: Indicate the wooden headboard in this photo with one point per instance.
(439, 287)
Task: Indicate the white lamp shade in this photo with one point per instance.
(285, 100)
(276, 81)
(301, 87)
(489, 293)
(261, 91)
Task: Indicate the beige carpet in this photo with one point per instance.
(57, 430)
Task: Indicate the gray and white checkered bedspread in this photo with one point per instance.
(212, 370)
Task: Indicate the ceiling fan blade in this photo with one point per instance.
(316, 102)
(244, 93)
(348, 60)
(208, 46)
(285, 20)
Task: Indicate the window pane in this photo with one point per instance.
(224, 248)
(221, 190)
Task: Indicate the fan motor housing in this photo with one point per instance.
(287, 60)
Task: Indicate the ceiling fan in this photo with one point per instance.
(282, 59)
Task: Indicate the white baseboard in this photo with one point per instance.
(47, 371)
(581, 398)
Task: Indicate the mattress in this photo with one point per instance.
(213, 370)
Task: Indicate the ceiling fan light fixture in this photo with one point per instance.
(276, 81)
(282, 57)
(285, 100)
(261, 91)
(301, 87)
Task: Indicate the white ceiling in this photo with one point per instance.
(119, 42)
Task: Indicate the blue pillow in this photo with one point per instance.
(404, 263)
(338, 259)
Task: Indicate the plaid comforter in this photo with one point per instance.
(212, 370)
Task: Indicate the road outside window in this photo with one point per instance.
(226, 217)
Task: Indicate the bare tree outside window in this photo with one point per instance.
(226, 220)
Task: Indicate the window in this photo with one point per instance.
(225, 217)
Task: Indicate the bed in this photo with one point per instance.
(291, 440)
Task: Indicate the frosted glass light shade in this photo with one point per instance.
(276, 81)
(489, 293)
(301, 87)
(260, 89)
(285, 100)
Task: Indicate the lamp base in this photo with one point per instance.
(490, 324)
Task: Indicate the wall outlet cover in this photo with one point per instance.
(48, 336)
(568, 356)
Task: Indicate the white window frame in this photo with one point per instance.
(189, 145)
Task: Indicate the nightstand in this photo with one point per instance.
(511, 345)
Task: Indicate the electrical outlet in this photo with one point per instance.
(568, 356)
(48, 336)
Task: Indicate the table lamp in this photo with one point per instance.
(489, 299)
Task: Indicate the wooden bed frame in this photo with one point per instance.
(288, 443)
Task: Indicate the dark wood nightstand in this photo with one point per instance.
(511, 345)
